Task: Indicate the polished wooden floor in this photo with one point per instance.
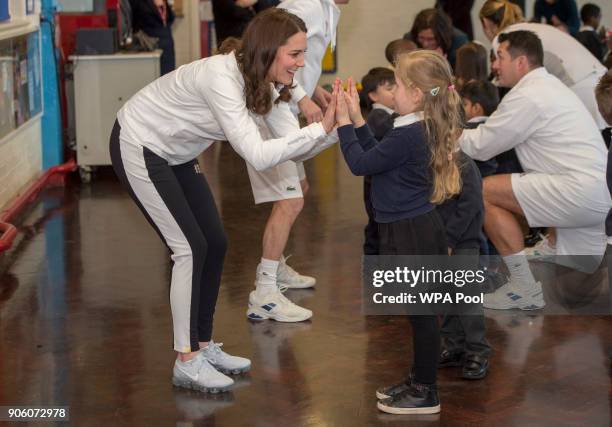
(85, 322)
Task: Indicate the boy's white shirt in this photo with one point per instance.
(377, 106)
(478, 119)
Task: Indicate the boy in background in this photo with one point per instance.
(589, 37)
(480, 100)
(397, 47)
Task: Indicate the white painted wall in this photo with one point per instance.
(186, 33)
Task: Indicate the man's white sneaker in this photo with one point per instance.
(224, 362)
(287, 276)
(542, 251)
(275, 306)
(511, 296)
(198, 374)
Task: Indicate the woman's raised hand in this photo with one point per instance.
(352, 101)
(329, 119)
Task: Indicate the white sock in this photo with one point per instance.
(266, 277)
(520, 273)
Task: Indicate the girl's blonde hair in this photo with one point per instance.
(430, 72)
(502, 13)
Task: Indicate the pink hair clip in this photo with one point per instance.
(451, 87)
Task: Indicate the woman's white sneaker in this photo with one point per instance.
(276, 306)
(224, 362)
(199, 374)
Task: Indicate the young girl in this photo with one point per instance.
(412, 170)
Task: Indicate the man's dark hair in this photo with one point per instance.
(481, 92)
(524, 43)
(589, 11)
(376, 77)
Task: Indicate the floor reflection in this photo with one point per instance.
(85, 322)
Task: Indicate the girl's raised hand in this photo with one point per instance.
(352, 100)
(342, 112)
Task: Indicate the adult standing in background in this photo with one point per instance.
(232, 16)
(285, 184)
(460, 12)
(155, 18)
(562, 14)
(519, 3)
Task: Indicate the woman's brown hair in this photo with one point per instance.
(255, 53)
(430, 72)
(439, 23)
(502, 13)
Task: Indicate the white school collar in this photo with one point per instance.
(378, 106)
(408, 119)
(478, 119)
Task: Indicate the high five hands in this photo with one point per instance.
(343, 108)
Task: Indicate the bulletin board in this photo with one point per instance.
(20, 81)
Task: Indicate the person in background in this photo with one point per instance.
(590, 38)
(433, 30)
(564, 56)
(562, 14)
(460, 12)
(232, 16)
(155, 18)
(397, 47)
(463, 335)
(286, 184)
(471, 64)
(480, 99)
(561, 151)
(377, 101)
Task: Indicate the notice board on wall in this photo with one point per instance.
(20, 81)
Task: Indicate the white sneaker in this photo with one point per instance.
(511, 296)
(275, 306)
(198, 374)
(542, 251)
(224, 362)
(287, 276)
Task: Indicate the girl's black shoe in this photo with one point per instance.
(394, 390)
(417, 399)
